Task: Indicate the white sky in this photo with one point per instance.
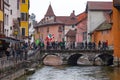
(60, 7)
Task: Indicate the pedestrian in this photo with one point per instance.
(86, 44)
(7, 52)
(99, 45)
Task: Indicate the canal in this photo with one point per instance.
(76, 73)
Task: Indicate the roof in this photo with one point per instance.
(50, 11)
(104, 26)
(48, 24)
(67, 20)
(71, 33)
(81, 17)
(93, 5)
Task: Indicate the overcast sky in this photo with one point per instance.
(60, 7)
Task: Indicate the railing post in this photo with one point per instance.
(118, 61)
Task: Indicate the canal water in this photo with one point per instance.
(76, 73)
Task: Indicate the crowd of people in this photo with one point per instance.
(55, 45)
(19, 51)
(102, 45)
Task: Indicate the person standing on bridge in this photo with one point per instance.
(99, 45)
(86, 44)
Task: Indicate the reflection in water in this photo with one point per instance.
(76, 73)
(114, 73)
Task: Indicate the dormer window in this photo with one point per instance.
(73, 26)
(73, 18)
(23, 1)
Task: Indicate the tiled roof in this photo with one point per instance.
(67, 20)
(81, 17)
(92, 5)
(48, 24)
(104, 26)
(71, 33)
(50, 11)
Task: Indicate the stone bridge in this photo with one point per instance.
(77, 57)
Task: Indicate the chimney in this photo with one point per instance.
(74, 12)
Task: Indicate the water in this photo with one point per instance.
(76, 73)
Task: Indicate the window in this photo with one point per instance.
(1, 30)
(11, 12)
(11, 28)
(105, 32)
(0, 27)
(23, 1)
(60, 29)
(73, 26)
(73, 18)
(1, 4)
(48, 29)
(23, 31)
(24, 16)
(84, 35)
(17, 4)
(7, 20)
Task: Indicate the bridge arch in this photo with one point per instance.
(43, 57)
(52, 59)
(72, 60)
(106, 58)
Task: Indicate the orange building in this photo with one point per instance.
(116, 27)
(104, 31)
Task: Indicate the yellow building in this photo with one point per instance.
(1, 16)
(24, 13)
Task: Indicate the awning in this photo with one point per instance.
(12, 40)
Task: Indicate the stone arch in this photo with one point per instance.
(106, 58)
(43, 57)
(52, 59)
(72, 60)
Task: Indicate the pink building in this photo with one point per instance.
(54, 27)
(81, 27)
(49, 29)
